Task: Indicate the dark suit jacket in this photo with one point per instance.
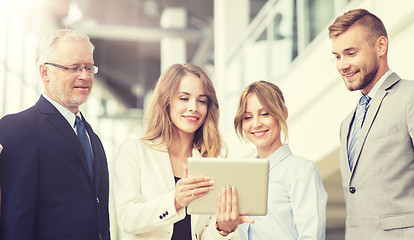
(47, 192)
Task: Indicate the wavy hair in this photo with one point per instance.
(159, 129)
(272, 100)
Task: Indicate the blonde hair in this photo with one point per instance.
(359, 17)
(159, 129)
(271, 98)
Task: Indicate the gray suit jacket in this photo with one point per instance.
(379, 192)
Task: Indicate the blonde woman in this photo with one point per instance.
(297, 198)
(151, 185)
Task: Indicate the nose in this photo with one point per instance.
(193, 105)
(342, 65)
(256, 122)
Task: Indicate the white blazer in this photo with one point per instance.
(143, 190)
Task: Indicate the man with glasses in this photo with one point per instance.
(53, 169)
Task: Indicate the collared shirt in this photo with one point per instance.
(377, 85)
(296, 201)
(66, 113)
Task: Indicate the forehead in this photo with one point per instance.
(354, 37)
(70, 51)
(191, 84)
(253, 103)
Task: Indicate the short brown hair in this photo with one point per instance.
(272, 100)
(360, 17)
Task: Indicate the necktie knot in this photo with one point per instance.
(364, 101)
(77, 121)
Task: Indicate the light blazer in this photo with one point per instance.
(144, 189)
(379, 192)
(47, 192)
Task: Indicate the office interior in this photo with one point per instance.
(236, 41)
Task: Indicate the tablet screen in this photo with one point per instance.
(248, 176)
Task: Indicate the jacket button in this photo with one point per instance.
(166, 212)
(164, 215)
(161, 217)
(352, 190)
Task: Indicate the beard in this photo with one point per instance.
(64, 97)
(367, 78)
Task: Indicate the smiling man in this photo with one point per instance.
(377, 138)
(53, 169)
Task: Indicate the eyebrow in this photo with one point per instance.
(346, 50)
(186, 93)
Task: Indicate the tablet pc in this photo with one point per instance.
(248, 176)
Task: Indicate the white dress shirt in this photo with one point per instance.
(296, 201)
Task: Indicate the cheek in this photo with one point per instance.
(246, 128)
(203, 111)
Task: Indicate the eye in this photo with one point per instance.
(264, 114)
(203, 101)
(247, 117)
(74, 68)
(183, 98)
(352, 53)
(89, 68)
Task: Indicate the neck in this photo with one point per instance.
(266, 152)
(383, 68)
(181, 145)
(179, 151)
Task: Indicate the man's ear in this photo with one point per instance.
(382, 45)
(43, 73)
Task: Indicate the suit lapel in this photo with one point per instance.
(372, 113)
(65, 130)
(346, 125)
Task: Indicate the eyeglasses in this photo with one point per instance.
(76, 68)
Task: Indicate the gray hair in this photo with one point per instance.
(45, 50)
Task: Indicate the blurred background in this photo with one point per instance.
(236, 41)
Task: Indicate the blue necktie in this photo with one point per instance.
(360, 113)
(84, 141)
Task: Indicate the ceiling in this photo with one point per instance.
(127, 33)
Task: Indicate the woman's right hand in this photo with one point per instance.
(227, 211)
(189, 188)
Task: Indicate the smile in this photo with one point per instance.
(259, 133)
(191, 118)
(350, 74)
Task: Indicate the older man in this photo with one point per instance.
(53, 169)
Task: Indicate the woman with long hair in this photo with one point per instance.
(151, 186)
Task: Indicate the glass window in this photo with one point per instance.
(321, 13)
